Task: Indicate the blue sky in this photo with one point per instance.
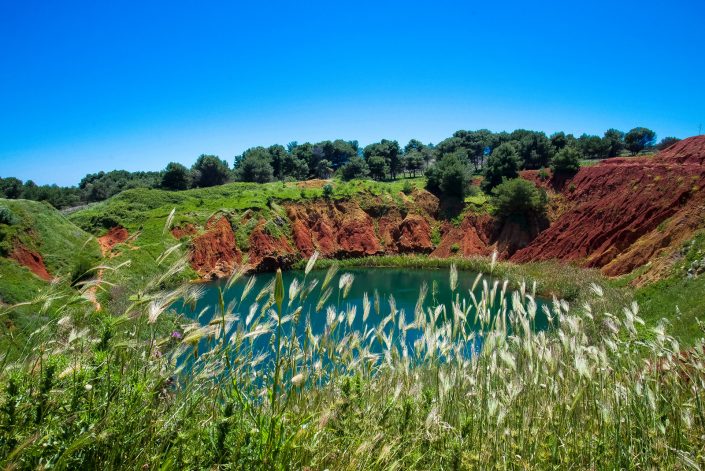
(88, 86)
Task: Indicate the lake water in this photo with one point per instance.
(403, 284)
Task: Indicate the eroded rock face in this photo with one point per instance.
(335, 229)
(616, 207)
(472, 238)
(214, 253)
(268, 252)
(30, 259)
(413, 235)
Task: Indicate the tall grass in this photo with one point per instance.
(245, 392)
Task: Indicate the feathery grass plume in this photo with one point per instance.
(323, 299)
(329, 276)
(169, 221)
(235, 276)
(377, 304)
(345, 283)
(311, 262)
(294, 289)
(453, 277)
(365, 307)
(279, 289)
(168, 252)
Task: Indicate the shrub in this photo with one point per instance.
(327, 191)
(566, 161)
(408, 188)
(7, 216)
(355, 168)
(518, 197)
(450, 176)
(502, 164)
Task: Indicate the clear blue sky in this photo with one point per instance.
(97, 85)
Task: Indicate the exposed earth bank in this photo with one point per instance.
(618, 215)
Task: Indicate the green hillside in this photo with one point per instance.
(41, 229)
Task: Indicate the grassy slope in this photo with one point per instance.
(679, 299)
(145, 212)
(42, 229)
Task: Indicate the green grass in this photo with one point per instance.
(110, 392)
(41, 229)
(678, 299)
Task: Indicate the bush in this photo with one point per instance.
(502, 164)
(518, 197)
(566, 161)
(355, 168)
(327, 191)
(7, 216)
(450, 176)
(408, 188)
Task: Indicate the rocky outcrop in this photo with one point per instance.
(214, 253)
(268, 252)
(623, 211)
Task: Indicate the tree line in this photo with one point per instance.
(446, 164)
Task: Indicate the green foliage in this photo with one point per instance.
(176, 177)
(593, 147)
(449, 176)
(328, 191)
(389, 153)
(518, 197)
(255, 166)
(638, 139)
(7, 216)
(614, 142)
(566, 161)
(533, 148)
(502, 164)
(408, 188)
(356, 167)
(209, 170)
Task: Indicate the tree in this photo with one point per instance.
(666, 142)
(11, 187)
(356, 167)
(277, 155)
(566, 161)
(209, 170)
(294, 167)
(534, 148)
(176, 177)
(593, 147)
(449, 176)
(389, 151)
(413, 162)
(614, 142)
(378, 167)
(518, 197)
(502, 164)
(254, 166)
(324, 168)
(638, 139)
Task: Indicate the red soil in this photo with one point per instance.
(186, 231)
(472, 238)
(335, 229)
(31, 260)
(623, 210)
(116, 235)
(268, 252)
(214, 253)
